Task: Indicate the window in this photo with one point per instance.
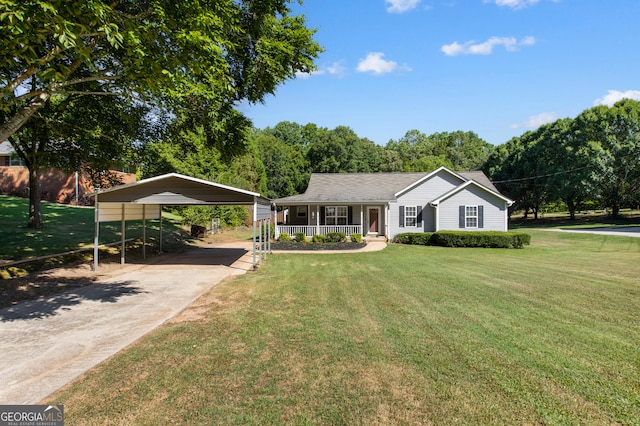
(471, 216)
(301, 211)
(335, 215)
(410, 215)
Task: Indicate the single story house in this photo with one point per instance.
(386, 204)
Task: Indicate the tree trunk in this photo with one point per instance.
(572, 209)
(615, 211)
(35, 206)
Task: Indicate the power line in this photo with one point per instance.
(541, 176)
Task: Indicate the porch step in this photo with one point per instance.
(370, 239)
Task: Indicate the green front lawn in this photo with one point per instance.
(66, 228)
(410, 335)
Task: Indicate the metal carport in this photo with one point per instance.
(144, 199)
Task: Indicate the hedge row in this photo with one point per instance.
(488, 239)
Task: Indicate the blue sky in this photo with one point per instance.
(495, 67)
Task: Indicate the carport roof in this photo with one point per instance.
(177, 189)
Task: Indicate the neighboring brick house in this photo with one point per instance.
(55, 186)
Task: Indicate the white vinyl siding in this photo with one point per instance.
(493, 210)
(438, 184)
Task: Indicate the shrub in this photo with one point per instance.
(300, 237)
(284, 237)
(356, 237)
(318, 238)
(335, 237)
(416, 238)
(488, 239)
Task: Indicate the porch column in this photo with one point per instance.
(361, 220)
(276, 231)
(317, 219)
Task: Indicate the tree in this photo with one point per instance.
(456, 150)
(613, 134)
(464, 150)
(197, 58)
(286, 168)
(44, 141)
(187, 152)
(569, 163)
(341, 151)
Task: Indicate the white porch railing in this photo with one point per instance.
(311, 230)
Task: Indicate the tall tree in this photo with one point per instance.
(187, 152)
(613, 133)
(196, 58)
(286, 168)
(75, 133)
(341, 151)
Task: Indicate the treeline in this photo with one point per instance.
(593, 158)
(279, 160)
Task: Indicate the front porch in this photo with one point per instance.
(311, 230)
(319, 219)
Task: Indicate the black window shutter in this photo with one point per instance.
(462, 221)
(480, 216)
(322, 215)
(350, 215)
(401, 216)
(419, 218)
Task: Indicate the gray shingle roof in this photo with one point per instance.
(479, 177)
(365, 187)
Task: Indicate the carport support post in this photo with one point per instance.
(96, 214)
(254, 241)
(144, 231)
(260, 241)
(123, 237)
(160, 228)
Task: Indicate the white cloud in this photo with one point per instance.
(516, 4)
(536, 121)
(511, 44)
(305, 75)
(336, 69)
(614, 96)
(375, 64)
(400, 6)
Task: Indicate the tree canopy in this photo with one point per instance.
(201, 55)
(72, 71)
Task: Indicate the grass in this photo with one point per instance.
(584, 220)
(409, 335)
(66, 228)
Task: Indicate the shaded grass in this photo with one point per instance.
(66, 228)
(409, 335)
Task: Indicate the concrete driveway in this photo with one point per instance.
(622, 231)
(49, 342)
